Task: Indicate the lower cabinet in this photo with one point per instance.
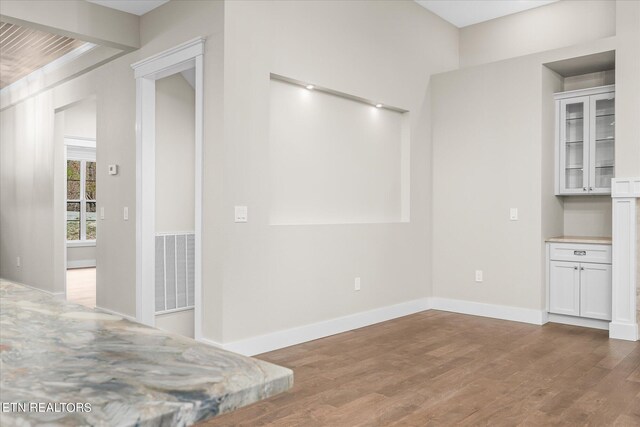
(595, 291)
(580, 288)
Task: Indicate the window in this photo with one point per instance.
(81, 195)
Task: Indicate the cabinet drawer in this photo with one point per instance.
(574, 252)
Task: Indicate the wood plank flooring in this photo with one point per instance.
(81, 286)
(440, 369)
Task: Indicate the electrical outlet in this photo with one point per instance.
(241, 213)
(513, 214)
(102, 212)
(18, 262)
(125, 213)
(356, 284)
(478, 275)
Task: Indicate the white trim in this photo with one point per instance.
(625, 187)
(211, 343)
(116, 313)
(174, 310)
(624, 322)
(81, 263)
(504, 312)
(585, 92)
(288, 337)
(579, 321)
(81, 243)
(169, 58)
(623, 331)
(79, 141)
(60, 295)
(184, 56)
(176, 233)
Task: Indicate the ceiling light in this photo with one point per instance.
(310, 87)
(378, 105)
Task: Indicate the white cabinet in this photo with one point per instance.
(564, 292)
(595, 291)
(578, 288)
(585, 141)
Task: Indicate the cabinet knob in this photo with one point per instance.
(590, 188)
(581, 268)
(584, 188)
(575, 268)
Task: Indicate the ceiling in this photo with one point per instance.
(462, 13)
(24, 50)
(136, 7)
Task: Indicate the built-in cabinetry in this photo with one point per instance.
(585, 140)
(579, 276)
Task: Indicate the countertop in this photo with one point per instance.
(52, 351)
(579, 239)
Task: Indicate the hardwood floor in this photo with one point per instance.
(437, 368)
(81, 286)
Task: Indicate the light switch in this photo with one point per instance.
(513, 214)
(241, 213)
(125, 213)
(113, 169)
(102, 212)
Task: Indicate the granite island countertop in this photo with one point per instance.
(580, 239)
(52, 351)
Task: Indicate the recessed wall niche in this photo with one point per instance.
(336, 158)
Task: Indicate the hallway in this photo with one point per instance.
(81, 286)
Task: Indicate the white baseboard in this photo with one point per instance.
(289, 337)
(504, 312)
(60, 295)
(623, 331)
(210, 342)
(579, 321)
(116, 313)
(81, 263)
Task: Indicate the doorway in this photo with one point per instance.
(175, 203)
(78, 123)
(169, 124)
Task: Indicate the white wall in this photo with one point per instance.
(486, 159)
(180, 322)
(628, 89)
(175, 155)
(587, 216)
(80, 119)
(26, 193)
(279, 277)
(600, 78)
(334, 160)
(561, 24)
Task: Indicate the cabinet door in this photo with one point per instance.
(574, 145)
(595, 291)
(564, 288)
(601, 142)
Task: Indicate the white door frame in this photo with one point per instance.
(180, 58)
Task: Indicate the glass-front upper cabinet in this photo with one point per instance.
(602, 141)
(585, 141)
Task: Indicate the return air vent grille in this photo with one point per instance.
(174, 272)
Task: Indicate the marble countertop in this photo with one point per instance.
(52, 351)
(579, 239)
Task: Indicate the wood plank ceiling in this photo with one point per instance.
(24, 50)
